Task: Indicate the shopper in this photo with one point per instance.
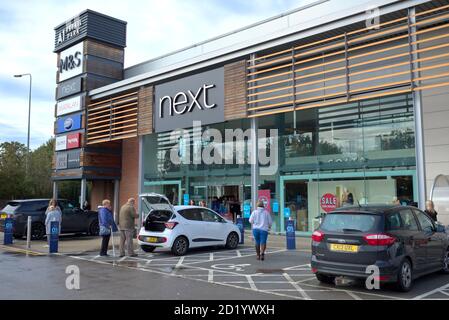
(126, 224)
(430, 210)
(53, 214)
(86, 206)
(107, 225)
(191, 202)
(53, 203)
(261, 222)
(202, 204)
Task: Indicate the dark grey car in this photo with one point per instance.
(74, 220)
(403, 242)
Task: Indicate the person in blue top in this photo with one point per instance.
(107, 225)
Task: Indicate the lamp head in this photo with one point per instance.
(17, 75)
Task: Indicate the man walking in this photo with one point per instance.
(125, 222)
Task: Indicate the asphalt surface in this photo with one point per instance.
(206, 274)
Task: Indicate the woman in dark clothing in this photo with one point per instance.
(107, 225)
(430, 210)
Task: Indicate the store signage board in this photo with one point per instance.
(73, 159)
(61, 143)
(71, 62)
(328, 202)
(69, 123)
(69, 87)
(199, 97)
(73, 140)
(61, 161)
(69, 105)
(70, 30)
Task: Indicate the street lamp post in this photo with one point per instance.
(29, 117)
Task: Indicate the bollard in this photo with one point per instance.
(290, 234)
(54, 237)
(29, 233)
(8, 229)
(240, 224)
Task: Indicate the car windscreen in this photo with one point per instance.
(11, 207)
(350, 222)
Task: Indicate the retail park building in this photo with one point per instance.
(353, 97)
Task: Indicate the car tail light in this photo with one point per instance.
(170, 225)
(379, 239)
(317, 236)
(314, 270)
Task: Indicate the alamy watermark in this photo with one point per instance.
(209, 146)
(72, 282)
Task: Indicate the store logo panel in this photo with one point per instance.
(69, 87)
(61, 143)
(199, 97)
(69, 105)
(69, 123)
(73, 140)
(71, 62)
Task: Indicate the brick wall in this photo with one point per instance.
(101, 189)
(130, 170)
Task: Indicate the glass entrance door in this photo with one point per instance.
(170, 189)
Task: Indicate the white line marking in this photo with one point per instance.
(210, 276)
(239, 254)
(298, 288)
(421, 296)
(301, 267)
(251, 282)
(180, 261)
(211, 257)
(353, 295)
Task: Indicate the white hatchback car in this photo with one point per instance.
(179, 228)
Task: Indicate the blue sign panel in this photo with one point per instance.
(290, 235)
(240, 225)
(186, 199)
(54, 236)
(246, 210)
(8, 231)
(287, 212)
(275, 207)
(68, 123)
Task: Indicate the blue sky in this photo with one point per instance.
(155, 27)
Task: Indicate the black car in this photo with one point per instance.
(74, 220)
(402, 241)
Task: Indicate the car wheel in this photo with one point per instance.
(94, 228)
(446, 262)
(325, 279)
(405, 276)
(37, 231)
(180, 246)
(232, 241)
(148, 248)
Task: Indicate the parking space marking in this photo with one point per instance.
(429, 293)
(251, 282)
(296, 286)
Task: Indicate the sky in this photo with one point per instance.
(155, 27)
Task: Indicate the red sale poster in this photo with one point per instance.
(265, 196)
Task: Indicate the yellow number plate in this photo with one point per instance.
(3, 216)
(152, 239)
(344, 247)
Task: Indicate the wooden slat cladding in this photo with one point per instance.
(103, 160)
(112, 119)
(357, 65)
(235, 90)
(108, 52)
(145, 119)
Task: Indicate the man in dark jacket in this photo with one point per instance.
(126, 221)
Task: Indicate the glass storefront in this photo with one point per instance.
(328, 157)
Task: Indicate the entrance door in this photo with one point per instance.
(226, 200)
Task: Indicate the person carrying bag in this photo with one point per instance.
(107, 224)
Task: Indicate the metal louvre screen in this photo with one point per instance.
(112, 119)
(405, 53)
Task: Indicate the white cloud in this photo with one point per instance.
(154, 28)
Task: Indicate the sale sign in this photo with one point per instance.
(265, 197)
(328, 202)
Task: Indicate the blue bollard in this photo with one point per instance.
(240, 224)
(290, 235)
(8, 231)
(54, 237)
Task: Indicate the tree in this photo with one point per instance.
(13, 180)
(40, 170)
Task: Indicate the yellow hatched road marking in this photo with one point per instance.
(20, 250)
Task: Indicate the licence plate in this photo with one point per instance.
(152, 239)
(3, 216)
(344, 247)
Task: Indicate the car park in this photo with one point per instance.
(74, 219)
(403, 242)
(179, 228)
